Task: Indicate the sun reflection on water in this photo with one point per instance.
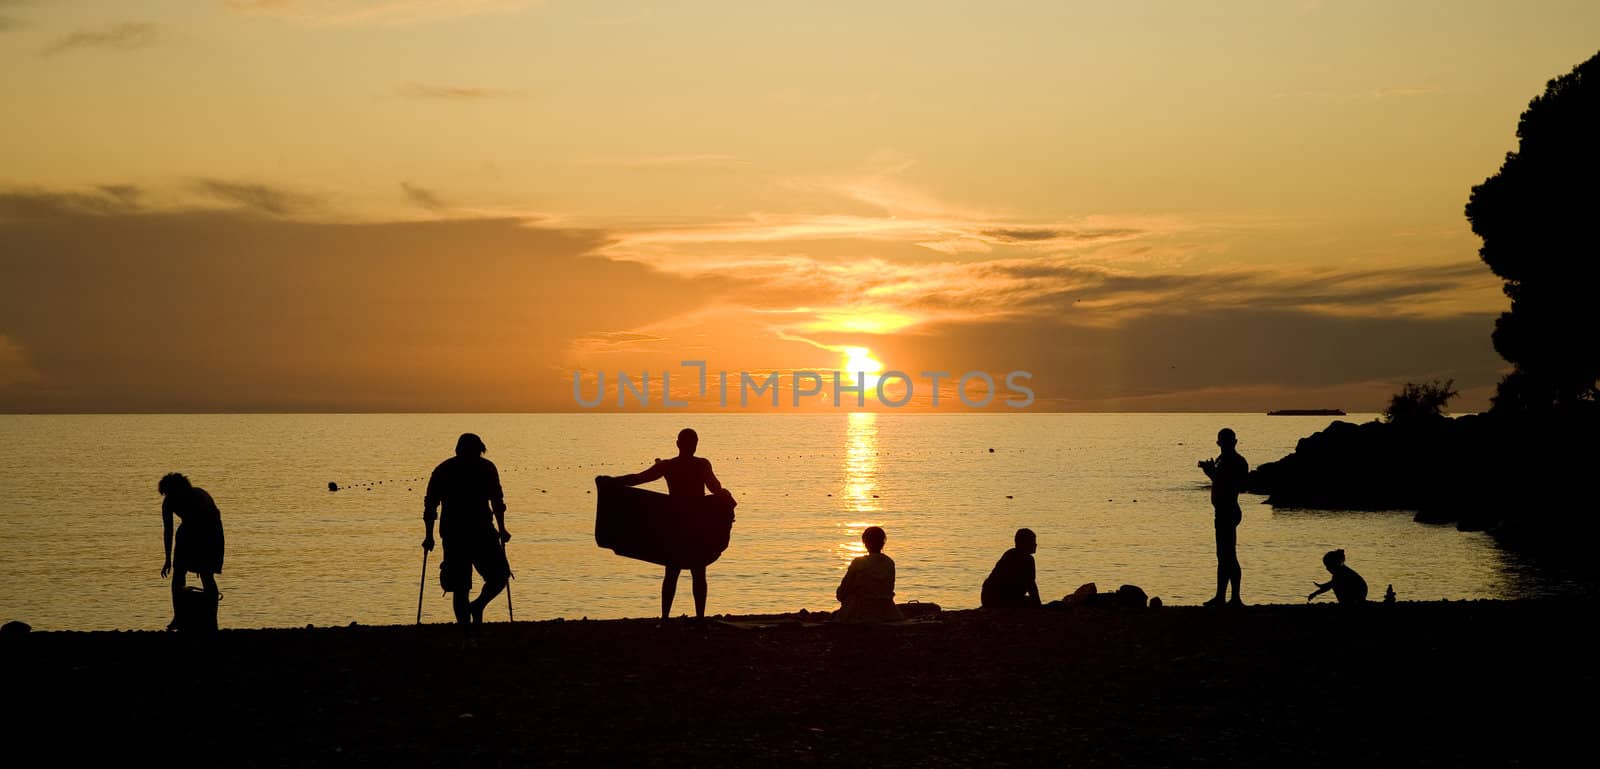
(860, 482)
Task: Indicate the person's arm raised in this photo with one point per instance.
(654, 472)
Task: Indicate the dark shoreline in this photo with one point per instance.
(1449, 683)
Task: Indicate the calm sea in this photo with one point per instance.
(1115, 498)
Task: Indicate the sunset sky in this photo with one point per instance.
(421, 205)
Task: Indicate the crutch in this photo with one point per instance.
(510, 612)
(420, 584)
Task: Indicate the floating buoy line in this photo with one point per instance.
(369, 485)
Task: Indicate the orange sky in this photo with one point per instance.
(422, 205)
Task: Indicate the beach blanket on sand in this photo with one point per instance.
(775, 624)
(653, 527)
(917, 614)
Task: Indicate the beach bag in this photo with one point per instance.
(1131, 597)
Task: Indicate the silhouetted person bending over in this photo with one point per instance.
(199, 537)
(866, 594)
(467, 486)
(688, 478)
(1012, 583)
(1347, 585)
(1227, 473)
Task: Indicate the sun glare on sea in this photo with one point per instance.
(860, 481)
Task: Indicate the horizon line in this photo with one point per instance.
(774, 412)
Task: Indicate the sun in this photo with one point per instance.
(860, 360)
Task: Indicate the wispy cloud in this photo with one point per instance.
(262, 198)
(128, 36)
(615, 341)
(666, 161)
(129, 195)
(370, 301)
(832, 302)
(947, 235)
(334, 13)
(878, 213)
(10, 22)
(881, 257)
(1145, 333)
(1088, 332)
(423, 197)
(32, 203)
(456, 92)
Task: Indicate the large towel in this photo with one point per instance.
(651, 526)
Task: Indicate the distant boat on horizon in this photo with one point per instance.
(1306, 413)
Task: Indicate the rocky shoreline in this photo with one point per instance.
(1528, 480)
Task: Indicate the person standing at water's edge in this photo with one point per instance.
(688, 479)
(198, 543)
(1227, 473)
(467, 486)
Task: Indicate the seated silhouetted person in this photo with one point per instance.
(1012, 583)
(866, 594)
(1347, 585)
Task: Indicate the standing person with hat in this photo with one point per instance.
(467, 487)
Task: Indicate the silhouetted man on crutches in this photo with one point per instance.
(467, 486)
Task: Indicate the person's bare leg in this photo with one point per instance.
(178, 579)
(491, 588)
(669, 590)
(1226, 564)
(1228, 572)
(209, 583)
(698, 576)
(462, 606)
